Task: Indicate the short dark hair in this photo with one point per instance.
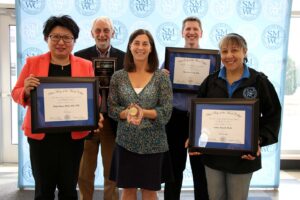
(152, 59)
(65, 21)
(192, 19)
(235, 39)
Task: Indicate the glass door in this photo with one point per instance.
(8, 75)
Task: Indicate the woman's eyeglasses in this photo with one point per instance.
(57, 38)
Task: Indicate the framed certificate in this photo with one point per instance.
(64, 104)
(189, 67)
(224, 126)
(104, 69)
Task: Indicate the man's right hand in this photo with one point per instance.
(100, 124)
(186, 145)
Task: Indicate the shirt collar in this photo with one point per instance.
(246, 73)
(105, 54)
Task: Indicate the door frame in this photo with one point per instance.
(8, 151)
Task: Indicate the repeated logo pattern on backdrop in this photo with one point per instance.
(264, 24)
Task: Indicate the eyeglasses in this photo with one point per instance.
(57, 38)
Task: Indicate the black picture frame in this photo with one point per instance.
(217, 126)
(182, 76)
(57, 104)
(104, 69)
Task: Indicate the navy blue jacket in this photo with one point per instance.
(269, 121)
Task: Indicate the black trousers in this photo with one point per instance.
(55, 164)
(177, 132)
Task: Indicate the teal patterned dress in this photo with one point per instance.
(149, 137)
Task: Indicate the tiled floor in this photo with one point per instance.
(289, 187)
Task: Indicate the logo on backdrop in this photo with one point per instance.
(57, 7)
(250, 32)
(169, 9)
(252, 61)
(121, 33)
(32, 7)
(142, 23)
(85, 24)
(168, 34)
(271, 65)
(250, 93)
(275, 10)
(248, 9)
(87, 7)
(218, 31)
(197, 8)
(31, 31)
(114, 9)
(273, 36)
(27, 172)
(270, 149)
(142, 8)
(222, 9)
(32, 51)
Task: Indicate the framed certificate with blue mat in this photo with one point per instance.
(189, 67)
(224, 126)
(64, 104)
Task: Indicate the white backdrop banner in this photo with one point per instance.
(264, 24)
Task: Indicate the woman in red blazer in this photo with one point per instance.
(54, 157)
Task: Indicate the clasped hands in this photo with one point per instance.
(134, 114)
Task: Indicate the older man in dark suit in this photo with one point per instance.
(102, 31)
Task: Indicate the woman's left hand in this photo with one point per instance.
(251, 157)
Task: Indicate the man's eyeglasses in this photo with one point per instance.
(57, 38)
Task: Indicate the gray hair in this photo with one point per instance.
(104, 19)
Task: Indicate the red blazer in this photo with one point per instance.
(39, 66)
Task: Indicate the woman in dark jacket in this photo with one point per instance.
(229, 177)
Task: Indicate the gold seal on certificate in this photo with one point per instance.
(104, 69)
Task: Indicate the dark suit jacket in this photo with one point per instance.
(90, 53)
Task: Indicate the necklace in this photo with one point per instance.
(58, 63)
(61, 66)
